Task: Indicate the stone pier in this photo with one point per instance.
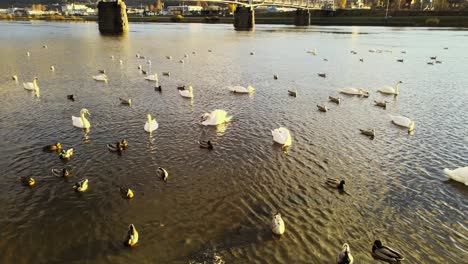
(302, 17)
(112, 17)
(244, 18)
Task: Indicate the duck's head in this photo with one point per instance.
(342, 182)
(346, 248)
(378, 244)
(84, 111)
(251, 88)
(399, 82)
(36, 79)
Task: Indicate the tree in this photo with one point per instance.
(231, 8)
(159, 5)
(343, 4)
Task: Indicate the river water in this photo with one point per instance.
(217, 205)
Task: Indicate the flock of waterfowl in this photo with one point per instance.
(280, 135)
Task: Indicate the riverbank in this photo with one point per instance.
(285, 19)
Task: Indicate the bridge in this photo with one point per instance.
(112, 16)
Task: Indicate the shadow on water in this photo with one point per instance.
(88, 251)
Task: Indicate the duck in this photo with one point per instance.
(292, 93)
(368, 132)
(336, 183)
(353, 91)
(325, 59)
(181, 87)
(152, 78)
(61, 173)
(163, 173)
(277, 225)
(403, 122)
(144, 72)
(52, 68)
(371, 50)
(28, 53)
(345, 256)
(132, 236)
(151, 124)
(55, 147)
(275, 76)
(403, 52)
(102, 71)
(353, 52)
(459, 174)
(166, 73)
(44, 46)
(382, 104)
(282, 136)
(381, 252)
(81, 186)
(101, 77)
(241, 89)
(252, 53)
(125, 101)
(66, 154)
(139, 67)
(206, 144)
(335, 100)
(323, 75)
(169, 57)
(181, 61)
(126, 192)
(391, 90)
(158, 88)
(399, 60)
(187, 93)
(81, 121)
(438, 62)
(27, 181)
(148, 62)
(112, 57)
(15, 78)
(185, 55)
(322, 108)
(361, 60)
(216, 117)
(71, 97)
(194, 52)
(430, 63)
(137, 55)
(210, 50)
(434, 58)
(119, 146)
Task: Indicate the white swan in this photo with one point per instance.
(403, 122)
(152, 78)
(353, 91)
(459, 175)
(215, 118)
(100, 77)
(187, 93)
(151, 124)
(32, 86)
(313, 52)
(282, 136)
(81, 121)
(277, 225)
(391, 90)
(241, 89)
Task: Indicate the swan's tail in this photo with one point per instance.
(448, 173)
(228, 119)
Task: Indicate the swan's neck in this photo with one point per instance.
(150, 125)
(397, 87)
(83, 120)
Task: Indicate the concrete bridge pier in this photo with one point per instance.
(302, 17)
(112, 17)
(244, 18)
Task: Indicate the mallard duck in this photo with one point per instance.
(71, 97)
(66, 154)
(61, 173)
(166, 73)
(403, 52)
(353, 52)
(292, 93)
(277, 224)
(345, 256)
(325, 59)
(158, 88)
(336, 183)
(132, 236)
(323, 75)
(335, 100)
(185, 55)
(181, 61)
(139, 66)
(44, 46)
(144, 72)
(102, 71)
(119, 146)
(27, 181)
(368, 132)
(438, 62)
(382, 104)
(434, 58)
(361, 60)
(126, 192)
(399, 60)
(210, 50)
(275, 76)
(56, 147)
(181, 87)
(252, 53)
(14, 77)
(125, 101)
(169, 57)
(385, 253)
(430, 63)
(163, 174)
(81, 186)
(206, 144)
(322, 108)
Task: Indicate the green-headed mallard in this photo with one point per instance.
(322, 108)
(381, 252)
(206, 144)
(61, 173)
(27, 181)
(81, 186)
(345, 256)
(163, 174)
(336, 183)
(125, 101)
(368, 132)
(55, 147)
(132, 236)
(293, 92)
(335, 100)
(66, 154)
(126, 192)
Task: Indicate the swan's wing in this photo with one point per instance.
(154, 126)
(28, 86)
(401, 121)
(77, 122)
(388, 89)
(278, 136)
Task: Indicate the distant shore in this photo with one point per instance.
(284, 19)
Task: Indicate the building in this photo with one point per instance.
(77, 9)
(40, 13)
(184, 9)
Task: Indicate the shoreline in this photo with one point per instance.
(400, 21)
